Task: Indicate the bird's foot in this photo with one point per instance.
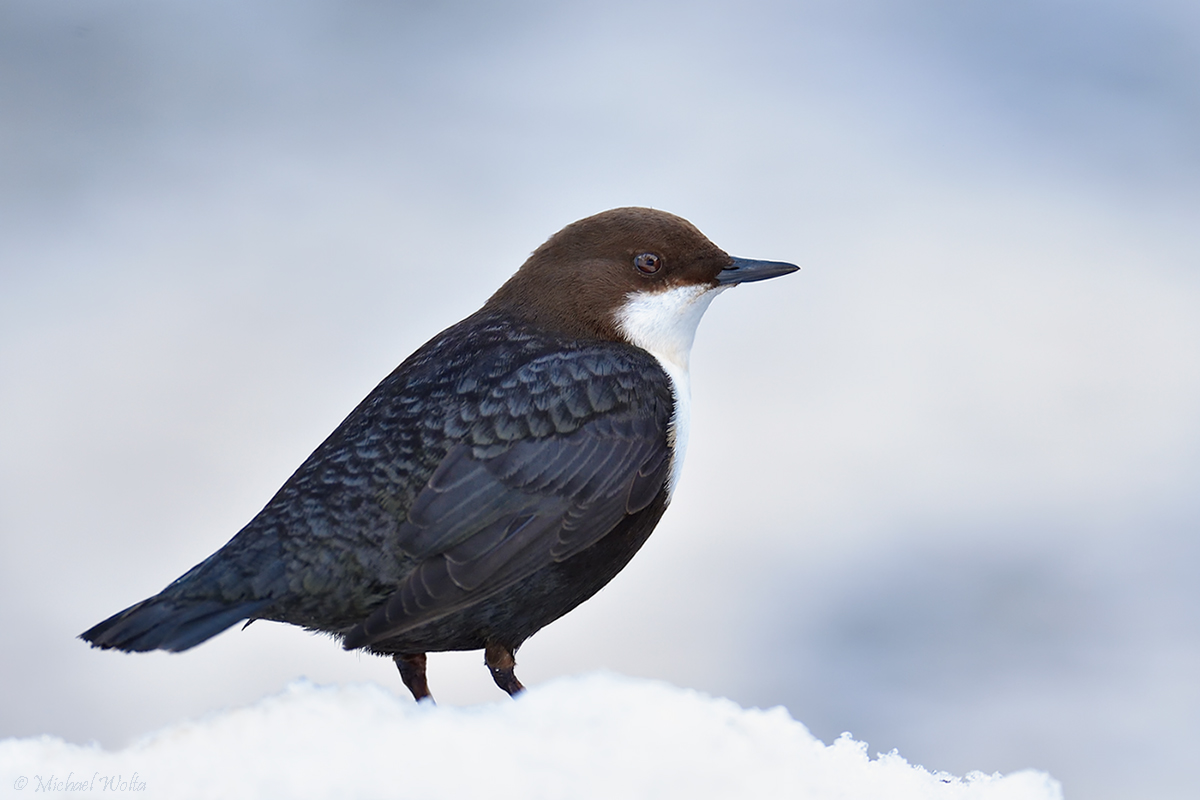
(412, 672)
(500, 661)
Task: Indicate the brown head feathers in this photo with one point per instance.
(576, 281)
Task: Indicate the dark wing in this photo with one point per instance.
(486, 521)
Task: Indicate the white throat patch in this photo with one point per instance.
(664, 325)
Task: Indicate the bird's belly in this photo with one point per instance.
(515, 613)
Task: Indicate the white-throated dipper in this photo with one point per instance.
(499, 477)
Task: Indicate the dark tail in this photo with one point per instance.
(162, 623)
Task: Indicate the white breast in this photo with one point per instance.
(664, 324)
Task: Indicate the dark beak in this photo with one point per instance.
(746, 270)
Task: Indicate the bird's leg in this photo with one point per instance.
(412, 672)
(500, 661)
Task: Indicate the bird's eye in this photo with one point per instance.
(648, 263)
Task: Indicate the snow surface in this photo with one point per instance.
(601, 736)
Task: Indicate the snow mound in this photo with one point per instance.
(598, 736)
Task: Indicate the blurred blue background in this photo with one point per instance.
(941, 490)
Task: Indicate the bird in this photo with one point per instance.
(499, 477)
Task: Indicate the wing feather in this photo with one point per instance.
(486, 520)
